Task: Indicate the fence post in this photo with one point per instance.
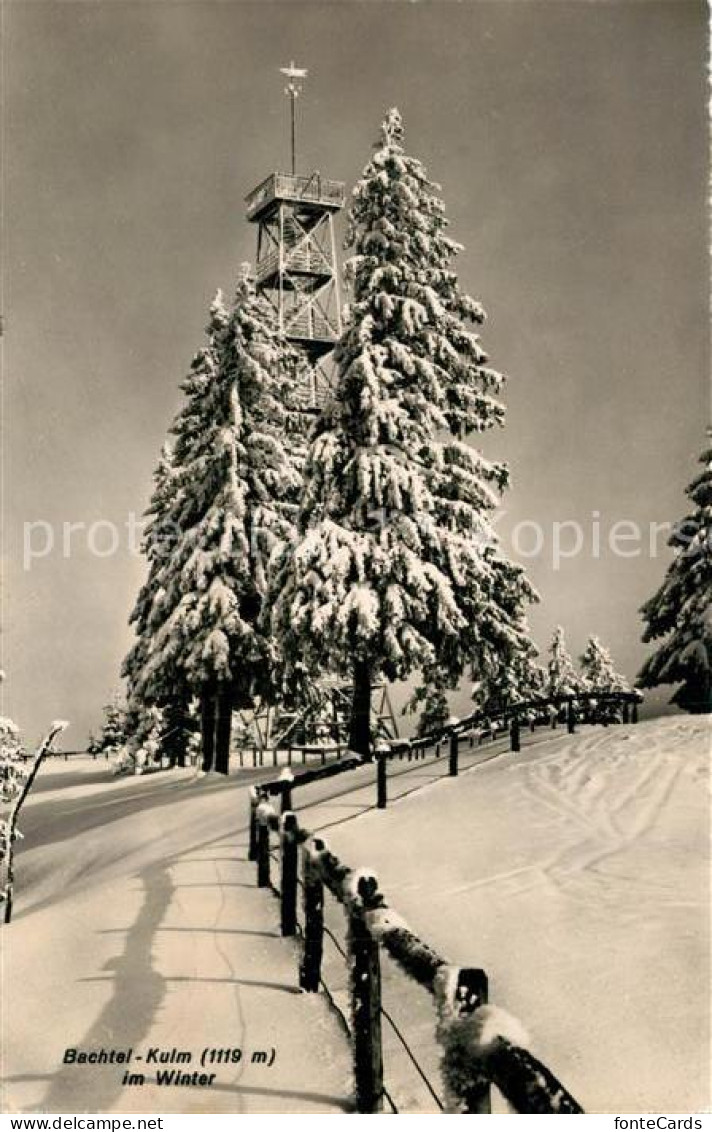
(310, 967)
(514, 739)
(460, 992)
(263, 879)
(381, 779)
(634, 712)
(453, 758)
(366, 1013)
(252, 847)
(290, 851)
(570, 717)
(287, 798)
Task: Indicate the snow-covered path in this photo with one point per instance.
(138, 926)
(577, 874)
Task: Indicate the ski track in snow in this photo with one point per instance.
(580, 790)
(575, 874)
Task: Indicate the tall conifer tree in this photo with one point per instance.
(679, 616)
(598, 674)
(233, 489)
(397, 568)
(564, 680)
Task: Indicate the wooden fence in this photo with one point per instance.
(455, 736)
(481, 1045)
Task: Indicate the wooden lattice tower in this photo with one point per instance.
(323, 721)
(296, 264)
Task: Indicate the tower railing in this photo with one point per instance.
(313, 189)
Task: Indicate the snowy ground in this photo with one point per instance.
(574, 872)
(138, 925)
(577, 875)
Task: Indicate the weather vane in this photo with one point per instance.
(293, 90)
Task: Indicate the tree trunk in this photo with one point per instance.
(207, 726)
(223, 729)
(175, 742)
(360, 722)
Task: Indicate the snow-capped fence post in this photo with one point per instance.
(527, 1084)
(570, 717)
(365, 965)
(252, 846)
(289, 837)
(310, 967)
(263, 878)
(484, 1045)
(381, 777)
(286, 792)
(514, 738)
(459, 992)
(453, 758)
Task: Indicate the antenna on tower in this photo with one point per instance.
(293, 89)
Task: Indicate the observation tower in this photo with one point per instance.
(296, 266)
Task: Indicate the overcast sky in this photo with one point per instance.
(570, 141)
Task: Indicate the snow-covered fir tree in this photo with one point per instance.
(13, 776)
(154, 674)
(563, 679)
(113, 734)
(597, 669)
(599, 675)
(155, 547)
(430, 701)
(517, 679)
(232, 495)
(11, 759)
(679, 616)
(173, 698)
(397, 568)
(145, 738)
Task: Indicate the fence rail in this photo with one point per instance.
(474, 728)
